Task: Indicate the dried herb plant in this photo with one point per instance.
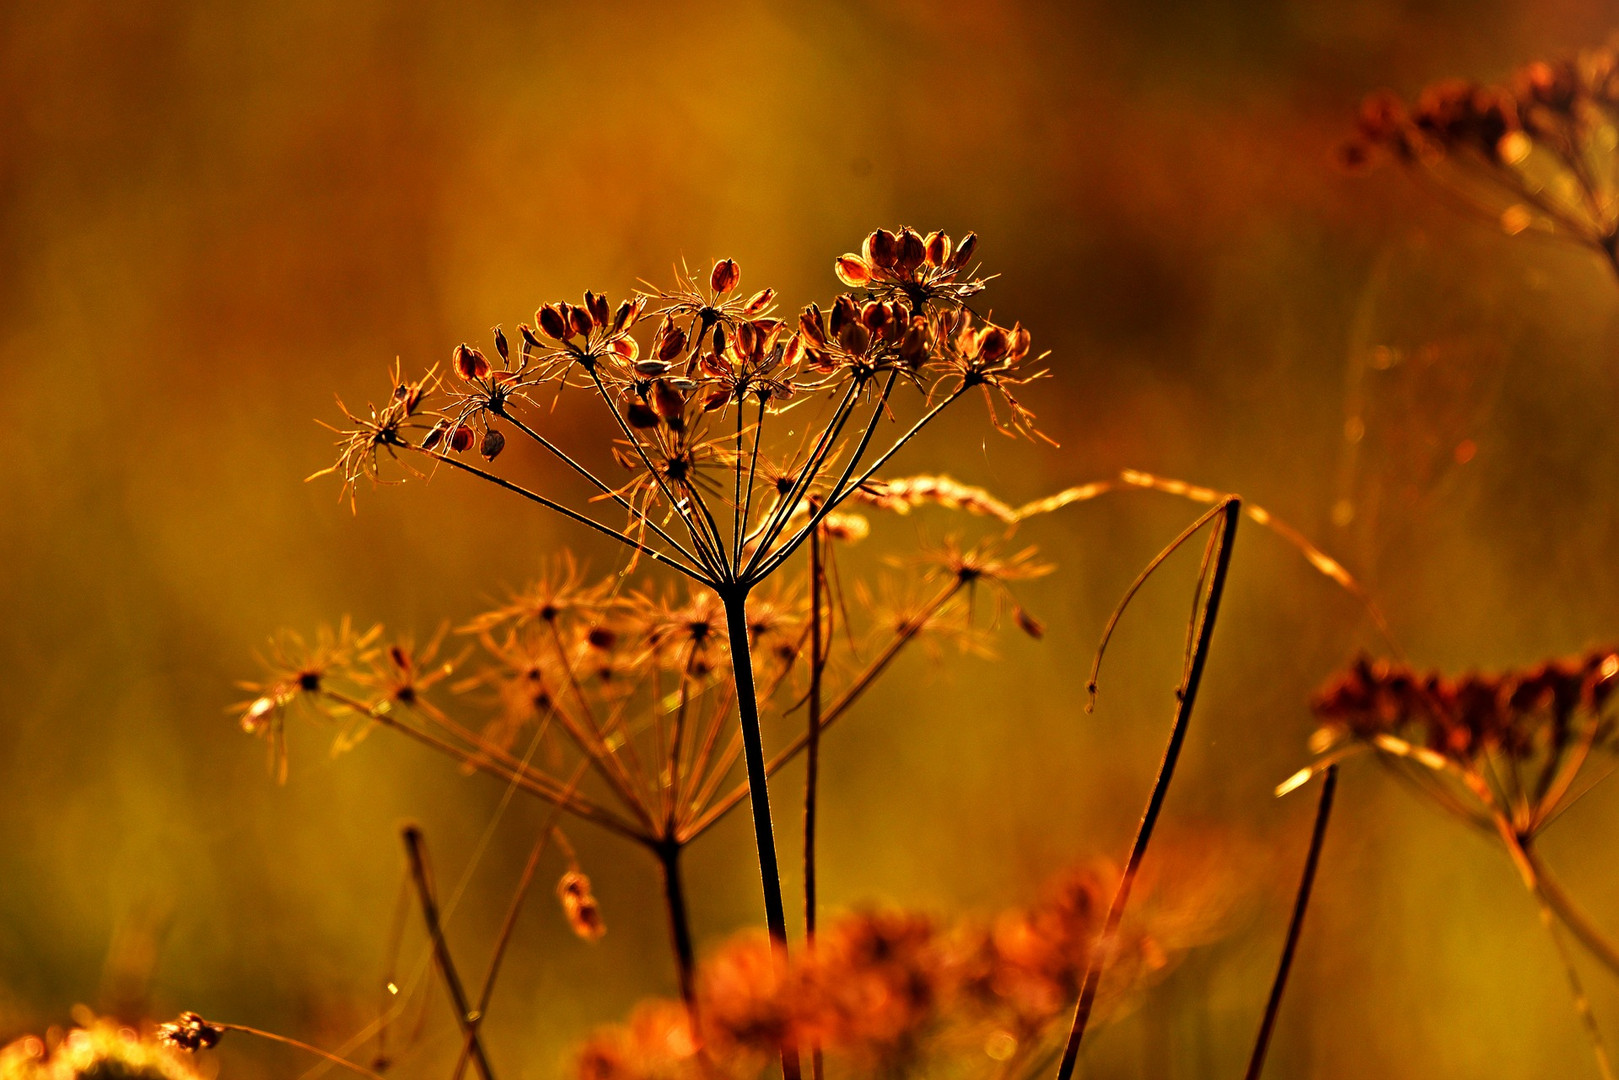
(1539, 154)
(713, 486)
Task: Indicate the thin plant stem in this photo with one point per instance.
(674, 900)
(1186, 696)
(1568, 912)
(574, 515)
(299, 1044)
(466, 1019)
(600, 485)
(1295, 925)
(782, 512)
(812, 763)
(736, 622)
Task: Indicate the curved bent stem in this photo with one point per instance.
(298, 1044)
(1220, 542)
(1295, 925)
(736, 623)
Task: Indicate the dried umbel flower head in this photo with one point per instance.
(1535, 154)
(1511, 745)
(190, 1032)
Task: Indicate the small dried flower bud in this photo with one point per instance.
(529, 340)
(435, 434)
(597, 306)
(813, 324)
(938, 248)
(651, 369)
(1029, 624)
(911, 251)
(725, 277)
(759, 302)
(580, 319)
(493, 443)
(964, 251)
(669, 402)
(852, 271)
(844, 312)
(748, 340)
(461, 438)
(638, 414)
(719, 339)
(553, 323)
(500, 344)
(915, 345)
(470, 363)
(881, 249)
(580, 907)
(855, 338)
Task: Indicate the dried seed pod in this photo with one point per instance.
(719, 339)
(500, 344)
(916, 344)
(597, 306)
(651, 369)
(461, 438)
(672, 342)
(626, 349)
(911, 251)
(964, 251)
(844, 312)
(581, 320)
(759, 302)
(669, 402)
(529, 340)
(625, 315)
(874, 315)
(938, 248)
(852, 270)
(855, 338)
(992, 343)
(725, 277)
(493, 443)
(470, 363)
(640, 415)
(580, 907)
(601, 637)
(716, 400)
(553, 323)
(881, 249)
(435, 434)
(747, 340)
(1029, 624)
(813, 324)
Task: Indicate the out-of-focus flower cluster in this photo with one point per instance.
(1539, 152)
(98, 1049)
(891, 992)
(1518, 738)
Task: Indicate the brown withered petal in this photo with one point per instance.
(461, 438)
(640, 415)
(493, 443)
(725, 277)
(470, 363)
(500, 344)
(853, 271)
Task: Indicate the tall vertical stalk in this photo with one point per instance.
(1295, 925)
(812, 761)
(1186, 695)
(736, 623)
(674, 898)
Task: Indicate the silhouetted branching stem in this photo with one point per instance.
(465, 1017)
(1295, 925)
(1220, 547)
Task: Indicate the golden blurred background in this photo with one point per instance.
(214, 216)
